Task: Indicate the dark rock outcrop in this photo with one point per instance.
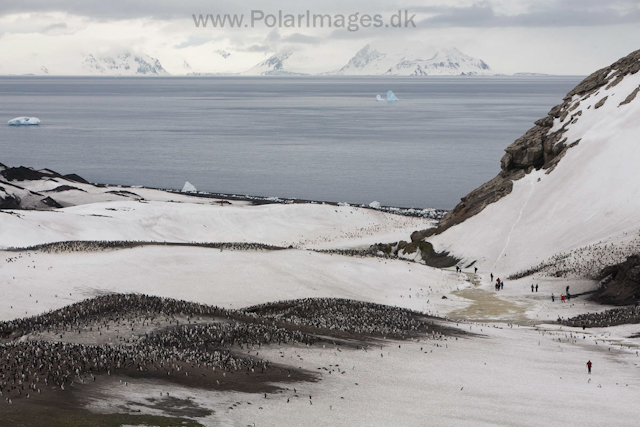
(22, 173)
(427, 253)
(8, 201)
(620, 284)
(15, 196)
(48, 201)
(76, 178)
(62, 188)
(538, 148)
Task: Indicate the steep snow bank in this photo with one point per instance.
(591, 195)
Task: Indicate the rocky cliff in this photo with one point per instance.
(542, 146)
(620, 284)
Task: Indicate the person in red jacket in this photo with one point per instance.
(589, 366)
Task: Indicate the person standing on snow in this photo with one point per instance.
(553, 299)
(562, 298)
(589, 366)
(536, 287)
(532, 287)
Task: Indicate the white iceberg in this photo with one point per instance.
(375, 205)
(188, 188)
(390, 97)
(24, 121)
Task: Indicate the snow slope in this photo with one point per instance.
(592, 195)
(228, 278)
(31, 193)
(308, 225)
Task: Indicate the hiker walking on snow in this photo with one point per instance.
(492, 277)
(532, 287)
(589, 366)
(562, 298)
(553, 299)
(536, 287)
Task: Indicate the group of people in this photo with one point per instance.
(563, 297)
(475, 270)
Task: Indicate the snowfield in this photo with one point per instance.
(300, 225)
(516, 376)
(229, 278)
(537, 373)
(512, 373)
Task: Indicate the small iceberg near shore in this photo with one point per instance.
(391, 97)
(189, 188)
(24, 121)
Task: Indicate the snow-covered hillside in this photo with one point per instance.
(303, 225)
(576, 183)
(85, 211)
(413, 60)
(125, 64)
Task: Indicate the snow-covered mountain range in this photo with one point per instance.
(378, 59)
(414, 60)
(374, 59)
(125, 64)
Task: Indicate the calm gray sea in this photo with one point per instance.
(321, 138)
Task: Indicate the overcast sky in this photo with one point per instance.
(545, 36)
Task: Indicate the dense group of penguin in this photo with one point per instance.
(162, 337)
(613, 317)
(584, 262)
(98, 246)
(352, 316)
